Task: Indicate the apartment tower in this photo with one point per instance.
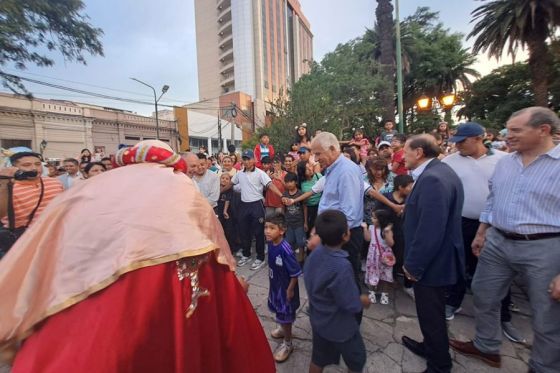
(258, 47)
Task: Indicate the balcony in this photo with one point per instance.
(227, 43)
(224, 16)
(227, 79)
(226, 55)
(225, 30)
(222, 4)
(227, 67)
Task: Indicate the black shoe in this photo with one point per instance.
(415, 347)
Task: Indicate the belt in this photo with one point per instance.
(527, 237)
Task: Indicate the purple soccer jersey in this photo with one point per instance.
(283, 266)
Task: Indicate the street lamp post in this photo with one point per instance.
(164, 89)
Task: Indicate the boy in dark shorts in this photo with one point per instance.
(283, 293)
(334, 298)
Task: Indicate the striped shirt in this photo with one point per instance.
(525, 199)
(26, 196)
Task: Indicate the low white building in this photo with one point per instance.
(204, 131)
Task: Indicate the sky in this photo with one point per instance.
(154, 41)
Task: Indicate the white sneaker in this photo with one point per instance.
(372, 297)
(239, 254)
(384, 298)
(243, 260)
(257, 264)
(410, 293)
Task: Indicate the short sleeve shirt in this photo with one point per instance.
(294, 213)
(252, 184)
(283, 266)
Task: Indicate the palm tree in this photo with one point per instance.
(519, 23)
(384, 15)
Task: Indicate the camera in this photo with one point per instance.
(25, 175)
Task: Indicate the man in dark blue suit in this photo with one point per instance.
(434, 255)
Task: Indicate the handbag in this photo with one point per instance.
(387, 256)
(9, 235)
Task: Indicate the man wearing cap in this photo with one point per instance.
(384, 151)
(252, 182)
(474, 163)
(305, 156)
(31, 192)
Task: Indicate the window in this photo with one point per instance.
(9, 143)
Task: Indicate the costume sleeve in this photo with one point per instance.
(290, 263)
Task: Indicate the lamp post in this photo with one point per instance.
(399, 68)
(164, 89)
(424, 103)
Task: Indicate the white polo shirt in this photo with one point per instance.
(474, 175)
(252, 184)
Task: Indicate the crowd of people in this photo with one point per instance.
(440, 214)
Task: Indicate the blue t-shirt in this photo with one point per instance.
(283, 266)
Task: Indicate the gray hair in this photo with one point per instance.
(326, 140)
(538, 116)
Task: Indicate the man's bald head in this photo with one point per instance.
(193, 163)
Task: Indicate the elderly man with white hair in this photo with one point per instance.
(343, 190)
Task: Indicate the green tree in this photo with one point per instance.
(29, 29)
(510, 24)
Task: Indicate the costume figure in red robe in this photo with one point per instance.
(129, 272)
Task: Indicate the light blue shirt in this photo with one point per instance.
(344, 190)
(418, 170)
(525, 199)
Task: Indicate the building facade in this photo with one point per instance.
(61, 129)
(258, 47)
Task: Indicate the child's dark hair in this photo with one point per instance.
(290, 176)
(384, 218)
(276, 218)
(402, 181)
(331, 226)
(358, 131)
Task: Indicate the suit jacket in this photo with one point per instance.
(434, 252)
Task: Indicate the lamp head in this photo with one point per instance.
(165, 88)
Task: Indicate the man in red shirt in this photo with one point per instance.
(397, 163)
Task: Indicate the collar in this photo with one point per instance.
(418, 170)
(339, 160)
(336, 252)
(552, 153)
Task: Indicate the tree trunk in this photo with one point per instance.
(539, 63)
(384, 15)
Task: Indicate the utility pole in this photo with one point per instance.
(399, 68)
(220, 145)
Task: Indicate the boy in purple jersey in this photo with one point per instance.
(283, 293)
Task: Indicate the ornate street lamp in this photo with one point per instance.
(424, 103)
(448, 100)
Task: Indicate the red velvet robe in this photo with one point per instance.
(138, 325)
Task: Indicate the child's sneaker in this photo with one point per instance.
(277, 333)
(257, 264)
(384, 298)
(243, 260)
(372, 297)
(283, 352)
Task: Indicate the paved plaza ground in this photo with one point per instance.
(382, 329)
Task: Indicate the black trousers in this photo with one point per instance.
(230, 231)
(456, 293)
(311, 217)
(353, 248)
(430, 307)
(251, 224)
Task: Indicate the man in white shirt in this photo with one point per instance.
(72, 174)
(252, 183)
(474, 163)
(208, 182)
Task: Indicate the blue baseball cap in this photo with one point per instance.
(303, 149)
(469, 129)
(248, 154)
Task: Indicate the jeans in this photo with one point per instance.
(295, 237)
(500, 261)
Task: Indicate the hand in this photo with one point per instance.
(8, 171)
(398, 209)
(365, 300)
(478, 244)
(226, 215)
(408, 275)
(289, 202)
(305, 227)
(363, 225)
(289, 294)
(388, 228)
(554, 288)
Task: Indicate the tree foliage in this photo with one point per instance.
(506, 25)
(30, 29)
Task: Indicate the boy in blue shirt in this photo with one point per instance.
(283, 293)
(334, 298)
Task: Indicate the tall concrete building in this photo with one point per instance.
(258, 47)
